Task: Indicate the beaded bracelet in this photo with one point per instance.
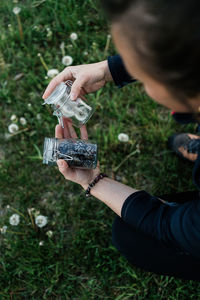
(97, 178)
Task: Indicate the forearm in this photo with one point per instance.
(112, 193)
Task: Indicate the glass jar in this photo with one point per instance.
(77, 111)
(77, 153)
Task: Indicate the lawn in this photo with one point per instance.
(72, 256)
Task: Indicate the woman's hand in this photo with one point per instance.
(87, 79)
(80, 176)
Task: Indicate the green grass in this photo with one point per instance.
(78, 261)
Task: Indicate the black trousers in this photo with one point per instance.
(145, 252)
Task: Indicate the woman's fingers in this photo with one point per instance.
(84, 133)
(72, 130)
(63, 76)
(65, 170)
(59, 132)
(77, 86)
(66, 129)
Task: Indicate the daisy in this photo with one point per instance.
(67, 60)
(12, 128)
(52, 73)
(123, 137)
(23, 121)
(16, 10)
(73, 36)
(41, 221)
(14, 220)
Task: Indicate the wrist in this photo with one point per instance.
(106, 71)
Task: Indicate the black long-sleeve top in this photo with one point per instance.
(174, 224)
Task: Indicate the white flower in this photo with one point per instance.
(79, 22)
(52, 73)
(123, 137)
(62, 46)
(41, 243)
(14, 220)
(7, 206)
(49, 233)
(73, 36)
(16, 10)
(22, 121)
(38, 116)
(41, 221)
(3, 229)
(67, 60)
(13, 118)
(29, 105)
(12, 128)
(85, 53)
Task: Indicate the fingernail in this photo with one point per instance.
(72, 96)
(43, 96)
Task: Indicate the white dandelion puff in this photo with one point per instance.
(67, 60)
(73, 36)
(123, 137)
(13, 118)
(41, 221)
(38, 117)
(14, 220)
(12, 128)
(79, 22)
(62, 46)
(52, 73)
(16, 10)
(3, 229)
(29, 105)
(41, 243)
(23, 121)
(49, 233)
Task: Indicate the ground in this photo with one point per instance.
(78, 261)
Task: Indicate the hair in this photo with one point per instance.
(165, 34)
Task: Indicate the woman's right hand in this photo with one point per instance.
(86, 79)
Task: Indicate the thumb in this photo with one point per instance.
(77, 85)
(62, 165)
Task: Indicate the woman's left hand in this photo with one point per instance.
(80, 176)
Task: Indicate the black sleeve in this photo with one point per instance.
(174, 224)
(117, 69)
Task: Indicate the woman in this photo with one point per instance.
(159, 45)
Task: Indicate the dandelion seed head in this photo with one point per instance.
(12, 128)
(79, 22)
(123, 137)
(85, 53)
(13, 118)
(49, 233)
(14, 220)
(73, 36)
(23, 121)
(41, 243)
(3, 229)
(67, 60)
(29, 105)
(52, 73)
(16, 10)
(41, 221)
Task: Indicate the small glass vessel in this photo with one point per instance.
(77, 153)
(77, 111)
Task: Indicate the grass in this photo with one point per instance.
(78, 261)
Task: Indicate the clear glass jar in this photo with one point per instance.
(77, 111)
(77, 153)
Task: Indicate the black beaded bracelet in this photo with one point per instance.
(97, 178)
